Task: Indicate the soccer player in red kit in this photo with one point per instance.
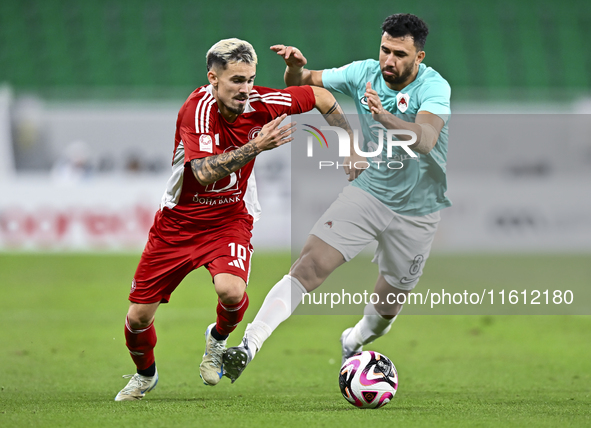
(210, 203)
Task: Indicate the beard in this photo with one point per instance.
(401, 78)
(236, 110)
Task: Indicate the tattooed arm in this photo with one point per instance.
(330, 109)
(213, 168)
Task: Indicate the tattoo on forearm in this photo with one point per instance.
(213, 168)
(339, 120)
(332, 109)
(336, 117)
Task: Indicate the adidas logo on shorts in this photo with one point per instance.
(237, 263)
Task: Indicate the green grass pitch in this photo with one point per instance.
(62, 354)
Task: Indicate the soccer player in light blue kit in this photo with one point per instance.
(396, 201)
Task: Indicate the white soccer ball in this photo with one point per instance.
(368, 380)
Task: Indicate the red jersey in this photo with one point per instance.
(201, 131)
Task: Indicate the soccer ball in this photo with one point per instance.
(368, 380)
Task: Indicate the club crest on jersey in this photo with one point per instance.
(328, 225)
(205, 143)
(402, 101)
(254, 132)
(363, 100)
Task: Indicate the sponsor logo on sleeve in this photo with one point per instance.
(205, 143)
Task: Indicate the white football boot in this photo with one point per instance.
(211, 368)
(137, 387)
(348, 351)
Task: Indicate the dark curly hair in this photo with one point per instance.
(405, 24)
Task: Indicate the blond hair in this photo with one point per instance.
(230, 50)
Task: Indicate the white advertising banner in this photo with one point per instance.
(115, 214)
(110, 214)
(106, 214)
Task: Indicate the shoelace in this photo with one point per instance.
(216, 352)
(137, 382)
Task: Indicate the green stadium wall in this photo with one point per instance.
(155, 49)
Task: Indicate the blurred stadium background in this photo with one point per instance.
(90, 92)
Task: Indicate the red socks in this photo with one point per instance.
(141, 345)
(141, 342)
(229, 316)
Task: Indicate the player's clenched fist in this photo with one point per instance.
(291, 55)
(271, 136)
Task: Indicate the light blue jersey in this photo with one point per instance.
(418, 187)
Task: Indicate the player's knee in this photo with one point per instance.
(230, 289)
(138, 319)
(307, 271)
(141, 315)
(316, 262)
(231, 297)
(312, 269)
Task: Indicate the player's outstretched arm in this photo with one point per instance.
(213, 168)
(334, 116)
(295, 73)
(427, 126)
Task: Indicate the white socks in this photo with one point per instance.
(284, 298)
(369, 328)
(278, 306)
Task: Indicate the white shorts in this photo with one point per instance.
(357, 218)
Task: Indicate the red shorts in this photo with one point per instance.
(173, 251)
